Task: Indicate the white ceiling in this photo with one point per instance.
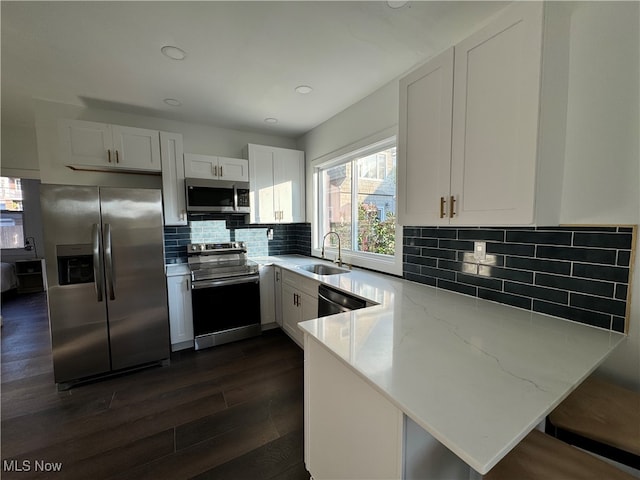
(244, 59)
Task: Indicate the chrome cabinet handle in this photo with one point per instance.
(97, 271)
(109, 262)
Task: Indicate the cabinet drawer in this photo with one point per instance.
(300, 282)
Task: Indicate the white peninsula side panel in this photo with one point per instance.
(351, 431)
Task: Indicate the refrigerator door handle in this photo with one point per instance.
(108, 260)
(97, 272)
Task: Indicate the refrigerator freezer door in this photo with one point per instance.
(132, 227)
(77, 312)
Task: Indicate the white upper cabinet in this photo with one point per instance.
(218, 168)
(173, 189)
(425, 141)
(495, 120)
(92, 144)
(277, 184)
(468, 141)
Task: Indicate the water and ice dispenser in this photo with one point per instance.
(75, 263)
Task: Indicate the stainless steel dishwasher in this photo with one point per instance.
(331, 300)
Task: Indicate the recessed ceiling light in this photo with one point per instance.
(173, 53)
(173, 102)
(271, 120)
(304, 89)
(396, 3)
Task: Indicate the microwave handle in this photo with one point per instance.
(235, 198)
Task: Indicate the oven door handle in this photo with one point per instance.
(223, 282)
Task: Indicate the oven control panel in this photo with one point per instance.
(199, 248)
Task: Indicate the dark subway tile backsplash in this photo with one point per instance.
(578, 273)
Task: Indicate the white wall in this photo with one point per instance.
(602, 163)
(198, 138)
(19, 153)
(374, 113)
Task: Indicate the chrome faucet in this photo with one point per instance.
(339, 259)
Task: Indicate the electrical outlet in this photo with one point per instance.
(479, 251)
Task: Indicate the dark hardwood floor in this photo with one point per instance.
(228, 412)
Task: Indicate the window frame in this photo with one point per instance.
(384, 263)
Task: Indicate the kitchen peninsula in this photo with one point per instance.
(430, 383)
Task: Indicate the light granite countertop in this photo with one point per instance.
(477, 375)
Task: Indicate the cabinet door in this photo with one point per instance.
(261, 175)
(289, 185)
(180, 311)
(200, 166)
(267, 296)
(495, 119)
(309, 306)
(137, 148)
(291, 312)
(278, 294)
(173, 193)
(233, 169)
(85, 143)
(424, 143)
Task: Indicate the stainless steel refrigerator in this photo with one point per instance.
(105, 270)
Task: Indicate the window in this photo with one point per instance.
(356, 198)
(11, 220)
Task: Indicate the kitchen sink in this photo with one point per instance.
(323, 269)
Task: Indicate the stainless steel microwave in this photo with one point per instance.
(217, 196)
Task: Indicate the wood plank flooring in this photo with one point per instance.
(228, 412)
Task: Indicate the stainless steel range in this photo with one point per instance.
(225, 293)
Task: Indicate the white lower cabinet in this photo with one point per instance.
(299, 303)
(180, 310)
(277, 277)
(267, 295)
